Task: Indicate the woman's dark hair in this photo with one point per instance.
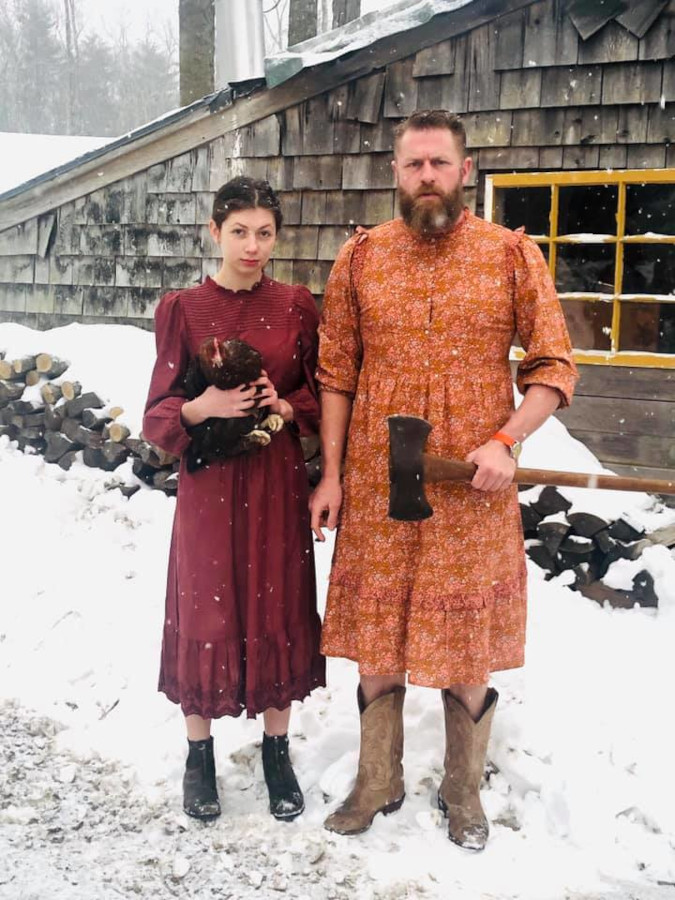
(245, 193)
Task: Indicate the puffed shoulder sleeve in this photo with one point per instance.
(304, 399)
(162, 423)
(340, 347)
(541, 325)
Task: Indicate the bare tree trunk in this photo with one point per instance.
(73, 60)
(344, 11)
(197, 49)
(302, 21)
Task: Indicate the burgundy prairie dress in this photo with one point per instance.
(242, 629)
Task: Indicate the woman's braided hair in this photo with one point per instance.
(243, 192)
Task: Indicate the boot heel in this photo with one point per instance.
(392, 807)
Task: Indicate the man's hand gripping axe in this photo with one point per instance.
(410, 469)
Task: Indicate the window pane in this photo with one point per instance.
(649, 269)
(585, 267)
(647, 326)
(589, 324)
(588, 209)
(650, 208)
(528, 206)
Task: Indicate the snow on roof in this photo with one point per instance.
(25, 156)
(355, 35)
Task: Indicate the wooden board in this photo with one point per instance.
(333, 207)
(331, 239)
(317, 172)
(576, 86)
(620, 416)
(550, 38)
(537, 127)
(590, 18)
(581, 157)
(400, 89)
(436, 60)
(661, 125)
(312, 273)
(46, 234)
(484, 81)
(379, 138)
(668, 81)
(620, 381)
(510, 39)
(643, 450)
(368, 172)
(612, 44)
(637, 471)
(636, 83)
(640, 17)
(17, 269)
(299, 242)
(488, 129)
(632, 125)
(508, 158)
(520, 89)
(646, 157)
(550, 158)
(659, 42)
(21, 238)
(590, 125)
(365, 98)
(613, 157)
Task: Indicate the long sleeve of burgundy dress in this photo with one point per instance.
(242, 629)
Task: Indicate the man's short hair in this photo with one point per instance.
(425, 119)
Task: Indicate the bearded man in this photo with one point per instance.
(419, 317)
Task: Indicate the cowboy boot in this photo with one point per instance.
(379, 782)
(465, 750)
(200, 794)
(286, 800)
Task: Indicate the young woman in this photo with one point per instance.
(241, 629)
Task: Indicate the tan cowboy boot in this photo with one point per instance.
(379, 783)
(465, 749)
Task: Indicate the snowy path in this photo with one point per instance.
(82, 828)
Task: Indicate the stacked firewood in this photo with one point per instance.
(587, 545)
(67, 421)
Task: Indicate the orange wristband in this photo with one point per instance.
(504, 438)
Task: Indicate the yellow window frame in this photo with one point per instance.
(622, 178)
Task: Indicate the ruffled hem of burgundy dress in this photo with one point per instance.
(229, 703)
(222, 678)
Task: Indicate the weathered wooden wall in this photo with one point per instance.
(534, 96)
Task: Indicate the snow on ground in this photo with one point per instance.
(26, 156)
(580, 790)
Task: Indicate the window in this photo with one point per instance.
(609, 240)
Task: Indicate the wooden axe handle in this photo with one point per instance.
(438, 469)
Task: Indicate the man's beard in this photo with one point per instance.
(431, 217)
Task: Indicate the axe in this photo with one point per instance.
(410, 468)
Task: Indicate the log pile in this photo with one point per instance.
(68, 421)
(586, 545)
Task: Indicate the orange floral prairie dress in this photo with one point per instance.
(423, 327)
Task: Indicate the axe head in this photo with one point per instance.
(407, 437)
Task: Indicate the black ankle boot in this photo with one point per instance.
(286, 800)
(200, 795)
